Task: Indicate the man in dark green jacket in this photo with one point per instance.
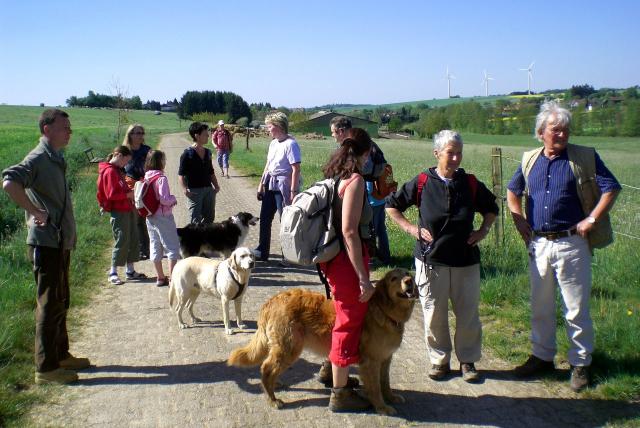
(38, 184)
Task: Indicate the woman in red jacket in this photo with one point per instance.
(115, 197)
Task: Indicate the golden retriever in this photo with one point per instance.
(228, 279)
(300, 319)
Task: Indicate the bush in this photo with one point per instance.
(210, 118)
(243, 121)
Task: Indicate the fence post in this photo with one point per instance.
(496, 179)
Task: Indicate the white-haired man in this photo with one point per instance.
(568, 193)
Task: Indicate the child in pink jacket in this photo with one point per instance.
(161, 225)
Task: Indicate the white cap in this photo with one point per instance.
(221, 122)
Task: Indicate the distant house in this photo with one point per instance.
(168, 107)
(320, 123)
(611, 101)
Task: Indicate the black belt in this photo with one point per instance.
(552, 236)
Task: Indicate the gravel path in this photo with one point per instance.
(148, 372)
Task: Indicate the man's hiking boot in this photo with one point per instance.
(469, 372)
(347, 400)
(325, 376)
(59, 375)
(534, 366)
(439, 371)
(579, 378)
(74, 363)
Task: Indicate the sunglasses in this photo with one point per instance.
(136, 133)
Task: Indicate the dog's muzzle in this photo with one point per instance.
(409, 287)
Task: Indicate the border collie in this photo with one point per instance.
(221, 238)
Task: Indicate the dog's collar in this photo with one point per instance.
(240, 286)
(396, 324)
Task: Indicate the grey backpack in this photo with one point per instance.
(307, 233)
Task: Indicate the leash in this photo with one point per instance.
(240, 286)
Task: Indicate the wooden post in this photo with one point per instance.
(248, 132)
(496, 179)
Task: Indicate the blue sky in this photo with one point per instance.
(303, 53)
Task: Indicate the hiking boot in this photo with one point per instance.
(439, 371)
(534, 366)
(74, 363)
(469, 372)
(579, 378)
(58, 375)
(325, 376)
(347, 400)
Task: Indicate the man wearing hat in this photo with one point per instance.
(223, 142)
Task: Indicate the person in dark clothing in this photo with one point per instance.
(447, 257)
(134, 171)
(197, 176)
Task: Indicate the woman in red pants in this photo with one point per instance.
(348, 272)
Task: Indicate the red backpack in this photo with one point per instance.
(144, 197)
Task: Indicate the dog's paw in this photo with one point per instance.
(386, 410)
(395, 399)
(228, 331)
(242, 326)
(183, 326)
(277, 403)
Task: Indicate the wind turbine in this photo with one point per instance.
(449, 76)
(485, 82)
(529, 76)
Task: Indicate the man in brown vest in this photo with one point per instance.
(568, 193)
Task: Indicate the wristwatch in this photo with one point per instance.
(591, 219)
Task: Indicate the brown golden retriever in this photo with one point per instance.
(300, 319)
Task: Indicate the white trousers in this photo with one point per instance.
(564, 263)
(438, 284)
(163, 236)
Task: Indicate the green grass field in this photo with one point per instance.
(615, 304)
(18, 135)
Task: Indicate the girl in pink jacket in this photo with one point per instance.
(163, 235)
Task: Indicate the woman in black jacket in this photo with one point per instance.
(446, 252)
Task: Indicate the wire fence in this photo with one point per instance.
(625, 215)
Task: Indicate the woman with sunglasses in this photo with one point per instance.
(134, 170)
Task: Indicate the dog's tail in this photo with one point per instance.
(172, 294)
(254, 353)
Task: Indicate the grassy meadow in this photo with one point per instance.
(18, 135)
(615, 303)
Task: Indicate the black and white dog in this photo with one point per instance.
(221, 238)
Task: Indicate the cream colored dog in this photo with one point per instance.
(227, 279)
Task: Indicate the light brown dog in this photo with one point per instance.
(300, 319)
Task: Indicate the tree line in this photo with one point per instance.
(604, 112)
(216, 103)
(94, 99)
